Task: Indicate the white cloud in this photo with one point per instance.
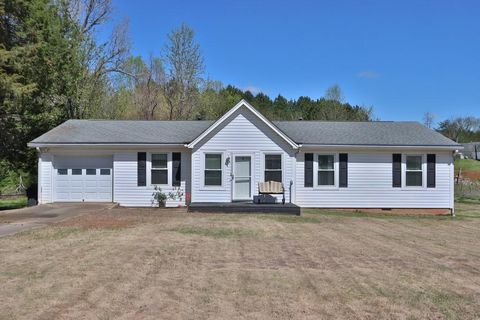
(368, 74)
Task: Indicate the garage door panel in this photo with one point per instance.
(76, 184)
(104, 184)
(76, 196)
(62, 184)
(91, 196)
(90, 184)
(63, 196)
(80, 178)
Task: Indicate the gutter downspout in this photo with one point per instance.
(39, 177)
(452, 181)
(294, 174)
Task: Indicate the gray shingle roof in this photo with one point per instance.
(363, 133)
(124, 132)
(302, 132)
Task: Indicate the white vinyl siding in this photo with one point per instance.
(370, 185)
(126, 191)
(241, 134)
(45, 177)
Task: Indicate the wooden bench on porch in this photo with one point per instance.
(271, 187)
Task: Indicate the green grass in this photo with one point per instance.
(467, 164)
(467, 200)
(216, 232)
(7, 204)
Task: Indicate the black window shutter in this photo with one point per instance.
(397, 170)
(141, 169)
(176, 169)
(308, 179)
(343, 158)
(431, 160)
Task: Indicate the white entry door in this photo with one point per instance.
(242, 184)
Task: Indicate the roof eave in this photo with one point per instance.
(379, 146)
(100, 144)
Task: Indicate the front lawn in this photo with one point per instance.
(168, 264)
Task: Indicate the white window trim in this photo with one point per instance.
(169, 168)
(335, 167)
(282, 159)
(404, 171)
(222, 167)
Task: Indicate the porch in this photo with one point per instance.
(244, 207)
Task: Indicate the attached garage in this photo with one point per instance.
(83, 179)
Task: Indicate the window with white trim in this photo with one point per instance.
(326, 170)
(413, 171)
(213, 169)
(159, 171)
(273, 167)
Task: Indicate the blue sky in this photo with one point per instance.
(401, 57)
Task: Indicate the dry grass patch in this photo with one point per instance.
(92, 222)
(216, 232)
(291, 219)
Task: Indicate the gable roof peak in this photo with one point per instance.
(223, 118)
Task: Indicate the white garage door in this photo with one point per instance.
(83, 179)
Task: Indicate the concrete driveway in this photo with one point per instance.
(13, 221)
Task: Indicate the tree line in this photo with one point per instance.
(459, 129)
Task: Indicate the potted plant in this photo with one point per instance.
(159, 197)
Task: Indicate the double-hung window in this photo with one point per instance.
(326, 170)
(213, 169)
(413, 171)
(273, 167)
(159, 168)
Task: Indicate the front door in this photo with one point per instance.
(242, 179)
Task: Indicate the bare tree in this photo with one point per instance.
(99, 60)
(334, 93)
(428, 119)
(148, 89)
(456, 128)
(184, 63)
(89, 13)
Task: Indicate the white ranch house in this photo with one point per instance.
(320, 163)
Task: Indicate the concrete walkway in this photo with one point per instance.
(13, 221)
